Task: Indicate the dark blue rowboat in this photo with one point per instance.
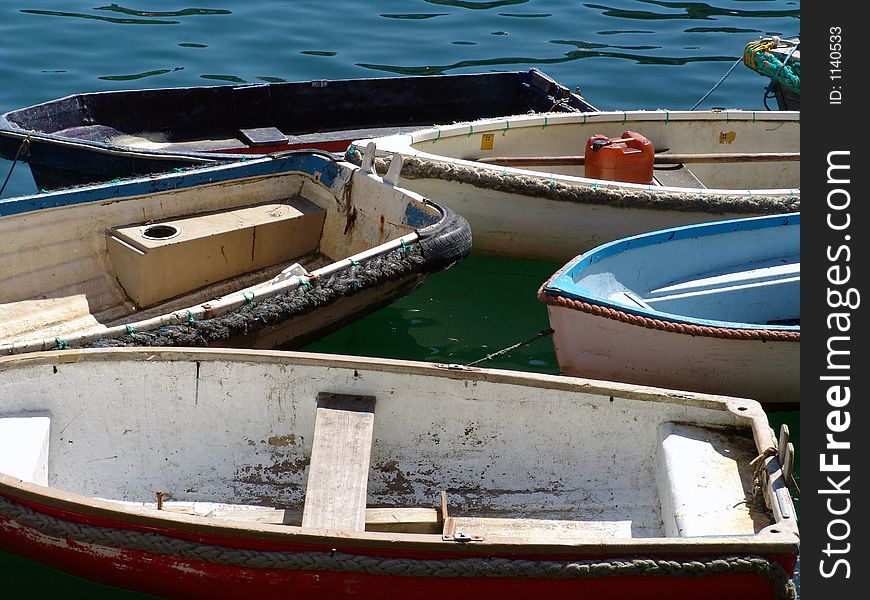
(100, 136)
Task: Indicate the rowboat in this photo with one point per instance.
(523, 186)
(263, 253)
(712, 308)
(211, 473)
(100, 136)
(779, 59)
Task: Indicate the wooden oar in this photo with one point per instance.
(660, 159)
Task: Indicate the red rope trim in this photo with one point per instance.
(728, 333)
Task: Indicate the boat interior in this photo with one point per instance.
(379, 446)
(269, 117)
(119, 259)
(742, 277)
(742, 137)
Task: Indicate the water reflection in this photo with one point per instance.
(55, 13)
(567, 57)
(691, 10)
(415, 16)
(135, 76)
(476, 5)
(173, 13)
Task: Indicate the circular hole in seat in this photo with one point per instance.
(160, 232)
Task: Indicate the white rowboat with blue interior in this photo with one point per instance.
(712, 307)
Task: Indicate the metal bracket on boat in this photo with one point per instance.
(449, 533)
(454, 367)
(392, 176)
(368, 159)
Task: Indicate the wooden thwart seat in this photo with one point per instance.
(335, 497)
(263, 136)
(681, 176)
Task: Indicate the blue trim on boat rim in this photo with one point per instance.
(304, 162)
(564, 277)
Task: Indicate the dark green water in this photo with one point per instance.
(629, 54)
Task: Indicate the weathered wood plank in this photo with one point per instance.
(393, 519)
(335, 497)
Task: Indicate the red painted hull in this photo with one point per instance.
(176, 576)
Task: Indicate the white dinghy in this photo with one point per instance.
(713, 307)
(233, 473)
(523, 182)
(261, 253)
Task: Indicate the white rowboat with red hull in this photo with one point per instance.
(232, 473)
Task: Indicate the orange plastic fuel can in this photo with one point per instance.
(628, 158)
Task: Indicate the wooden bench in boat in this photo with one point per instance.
(158, 261)
(694, 503)
(335, 496)
(263, 136)
(24, 446)
(680, 176)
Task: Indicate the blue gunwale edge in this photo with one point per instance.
(304, 162)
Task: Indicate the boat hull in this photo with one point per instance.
(589, 345)
(188, 578)
(514, 225)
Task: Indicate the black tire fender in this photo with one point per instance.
(446, 242)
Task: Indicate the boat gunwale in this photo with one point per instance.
(403, 143)
(295, 162)
(780, 536)
(553, 290)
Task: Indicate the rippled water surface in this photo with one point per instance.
(622, 54)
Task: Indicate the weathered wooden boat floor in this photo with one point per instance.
(70, 314)
(701, 504)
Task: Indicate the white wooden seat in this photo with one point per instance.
(335, 496)
(705, 482)
(24, 446)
